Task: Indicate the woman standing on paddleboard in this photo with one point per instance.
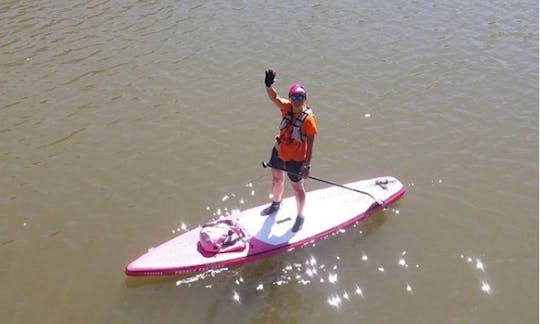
(293, 147)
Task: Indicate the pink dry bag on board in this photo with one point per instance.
(223, 235)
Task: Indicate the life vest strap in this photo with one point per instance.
(297, 125)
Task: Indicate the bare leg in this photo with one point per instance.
(300, 195)
(278, 184)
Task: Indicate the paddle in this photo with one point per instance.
(380, 202)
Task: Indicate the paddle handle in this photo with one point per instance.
(378, 201)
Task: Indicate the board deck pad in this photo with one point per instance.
(326, 211)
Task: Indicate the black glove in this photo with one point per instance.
(270, 75)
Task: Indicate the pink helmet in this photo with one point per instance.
(297, 88)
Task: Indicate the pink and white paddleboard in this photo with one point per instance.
(327, 210)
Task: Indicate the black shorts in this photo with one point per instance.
(293, 167)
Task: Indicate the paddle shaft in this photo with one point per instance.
(268, 164)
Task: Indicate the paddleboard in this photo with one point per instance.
(327, 211)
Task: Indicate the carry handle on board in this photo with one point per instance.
(378, 201)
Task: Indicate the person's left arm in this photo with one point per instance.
(307, 163)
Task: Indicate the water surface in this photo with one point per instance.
(125, 123)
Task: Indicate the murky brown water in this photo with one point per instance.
(123, 122)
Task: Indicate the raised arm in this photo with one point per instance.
(271, 92)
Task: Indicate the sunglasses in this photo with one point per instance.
(297, 97)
